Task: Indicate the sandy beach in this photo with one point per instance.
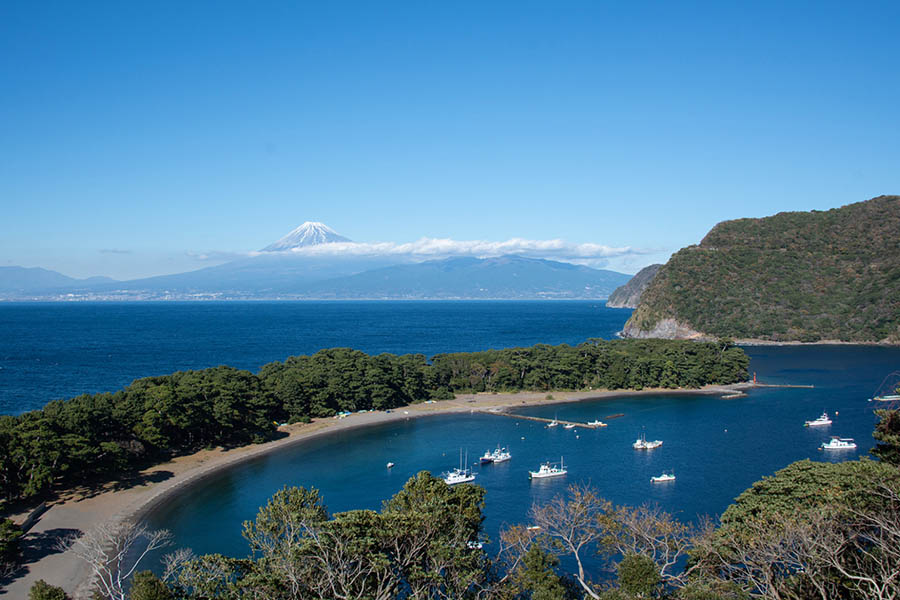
(78, 513)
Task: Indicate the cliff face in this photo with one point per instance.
(800, 276)
(629, 295)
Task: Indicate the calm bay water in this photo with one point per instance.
(716, 447)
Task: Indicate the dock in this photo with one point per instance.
(503, 413)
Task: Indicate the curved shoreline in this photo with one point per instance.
(183, 473)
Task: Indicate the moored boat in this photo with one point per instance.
(501, 455)
(461, 474)
(642, 444)
(837, 443)
(487, 458)
(823, 420)
(597, 423)
(549, 470)
(569, 425)
(888, 398)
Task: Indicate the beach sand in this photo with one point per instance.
(79, 512)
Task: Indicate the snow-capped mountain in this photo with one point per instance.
(310, 233)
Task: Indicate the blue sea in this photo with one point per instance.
(716, 447)
(59, 350)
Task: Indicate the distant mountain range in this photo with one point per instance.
(28, 280)
(280, 271)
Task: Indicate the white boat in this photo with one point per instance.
(597, 423)
(569, 425)
(501, 455)
(389, 465)
(642, 444)
(487, 458)
(823, 420)
(662, 478)
(889, 398)
(837, 443)
(549, 470)
(460, 474)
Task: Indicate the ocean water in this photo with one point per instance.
(59, 350)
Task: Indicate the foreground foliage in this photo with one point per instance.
(95, 437)
(807, 276)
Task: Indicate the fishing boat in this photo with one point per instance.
(487, 458)
(823, 420)
(663, 478)
(549, 470)
(460, 474)
(837, 443)
(642, 444)
(597, 423)
(501, 455)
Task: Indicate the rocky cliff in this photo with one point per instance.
(629, 295)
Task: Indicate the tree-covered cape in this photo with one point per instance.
(99, 436)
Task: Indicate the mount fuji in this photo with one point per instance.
(311, 233)
(292, 268)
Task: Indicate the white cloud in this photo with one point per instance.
(435, 248)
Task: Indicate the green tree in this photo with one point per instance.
(638, 575)
(887, 432)
(537, 575)
(147, 586)
(41, 590)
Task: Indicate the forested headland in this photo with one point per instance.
(794, 276)
(98, 437)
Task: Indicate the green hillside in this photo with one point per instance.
(795, 276)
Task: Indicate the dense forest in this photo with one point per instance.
(803, 276)
(812, 531)
(97, 437)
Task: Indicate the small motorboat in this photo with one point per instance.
(548, 470)
(501, 455)
(663, 478)
(837, 443)
(823, 420)
(569, 426)
(390, 465)
(597, 423)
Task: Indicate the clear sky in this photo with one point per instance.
(141, 138)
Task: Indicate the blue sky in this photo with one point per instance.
(144, 138)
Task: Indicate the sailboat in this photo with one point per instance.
(461, 474)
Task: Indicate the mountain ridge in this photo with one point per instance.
(792, 277)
